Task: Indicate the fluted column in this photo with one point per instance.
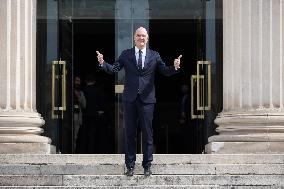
(20, 124)
(252, 120)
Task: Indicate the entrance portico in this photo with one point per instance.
(252, 117)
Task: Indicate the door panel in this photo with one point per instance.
(66, 55)
(54, 73)
(47, 52)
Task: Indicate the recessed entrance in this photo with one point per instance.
(78, 35)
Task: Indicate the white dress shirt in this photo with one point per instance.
(143, 55)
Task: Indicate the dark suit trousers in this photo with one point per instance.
(135, 112)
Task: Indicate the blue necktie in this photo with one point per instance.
(140, 60)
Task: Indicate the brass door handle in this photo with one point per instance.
(198, 80)
(54, 76)
(53, 116)
(64, 72)
(200, 103)
(196, 114)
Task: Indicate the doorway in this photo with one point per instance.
(170, 134)
(89, 36)
(81, 28)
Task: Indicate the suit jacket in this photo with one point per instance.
(139, 79)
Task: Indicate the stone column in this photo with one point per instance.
(20, 124)
(252, 120)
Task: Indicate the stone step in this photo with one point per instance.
(123, 187)
(158, 159)
(157, 169)
(144, 187)
(139, 180)
(169, 171)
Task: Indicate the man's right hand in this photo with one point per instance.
(100, 57)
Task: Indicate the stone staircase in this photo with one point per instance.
(169, 171)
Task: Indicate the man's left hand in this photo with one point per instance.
(177, 62)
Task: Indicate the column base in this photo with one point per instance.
(20, 134)
(27, 148)
(250, 132)
(244, 148)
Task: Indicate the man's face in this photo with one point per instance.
(141, 38)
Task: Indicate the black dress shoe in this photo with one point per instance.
(129, 172)
(147, 172)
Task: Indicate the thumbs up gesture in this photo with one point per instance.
(177, 62)
(100, 57)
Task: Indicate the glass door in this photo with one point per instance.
(54, 72)
(65, 81)
(68, 33)
(188, 102)
(206, 83)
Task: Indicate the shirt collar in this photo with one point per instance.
(143, 50)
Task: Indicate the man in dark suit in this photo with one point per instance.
(140, 64)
